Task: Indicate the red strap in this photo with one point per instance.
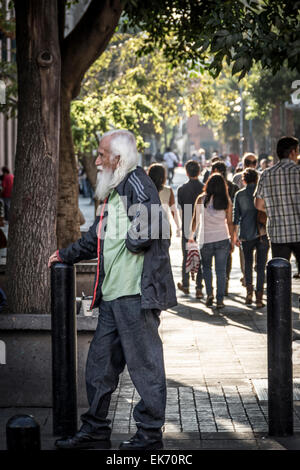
(98, 253)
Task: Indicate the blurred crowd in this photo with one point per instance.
(227, 203)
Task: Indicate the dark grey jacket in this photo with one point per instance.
(245, 213)
(157, 284)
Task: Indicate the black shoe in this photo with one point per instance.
(84, 440)
(141, 443)
(209, 301)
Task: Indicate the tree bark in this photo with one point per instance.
(88, 163)
(68, 227)
(290, 123)
(79, 50)
(32, 226)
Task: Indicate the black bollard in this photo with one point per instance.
(280, 366)
(64, 349)
(23, 433)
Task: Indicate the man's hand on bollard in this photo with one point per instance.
(53, 259)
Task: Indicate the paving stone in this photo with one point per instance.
(172, 419)
(208, 429)
(229, 444)
(205, 414)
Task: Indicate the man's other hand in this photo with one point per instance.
(53, 259)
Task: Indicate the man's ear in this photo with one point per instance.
(116, 161)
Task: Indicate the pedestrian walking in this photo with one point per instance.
(249, 160)
(202, 158)
(6, 192)
(186, 197)
(157, 173)
(134, 283)
(213, 215)
(184, 158)
(278, 194)
(171, 161)
(251, 236)
(220, 167)
(263, 164)
(207, 172)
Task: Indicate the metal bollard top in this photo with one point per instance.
(278, 263)
(22, 421)
(61, 266)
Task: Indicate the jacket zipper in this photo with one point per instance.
(98, 253)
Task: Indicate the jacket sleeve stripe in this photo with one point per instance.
(140, 196)
(138, 182)
(140, 193)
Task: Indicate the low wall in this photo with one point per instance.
(85, 276)
(26, 376)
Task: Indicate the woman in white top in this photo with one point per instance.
(216, 232)
(157, 173)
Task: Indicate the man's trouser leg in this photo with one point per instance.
(262, 248)
(105, 362)
(242, 262)
(128, 333)
(248, 248)
(284, 250)
(143, 352)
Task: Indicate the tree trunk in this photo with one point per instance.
(289, 122)
(32, 229)
(88, 163)
(68, 227)
(79, 51)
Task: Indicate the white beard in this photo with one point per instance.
(107, 180)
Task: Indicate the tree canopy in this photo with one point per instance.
(242, 32)
(144, 94)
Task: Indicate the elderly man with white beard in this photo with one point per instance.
(133, 284)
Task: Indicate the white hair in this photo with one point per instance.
(123, 144)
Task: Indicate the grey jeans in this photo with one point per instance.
(126, 334)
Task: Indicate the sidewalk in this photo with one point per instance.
(216, 368)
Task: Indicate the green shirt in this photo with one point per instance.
(123, 269)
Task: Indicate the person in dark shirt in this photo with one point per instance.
(252, 237)
(186, 197)
(220, 167)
